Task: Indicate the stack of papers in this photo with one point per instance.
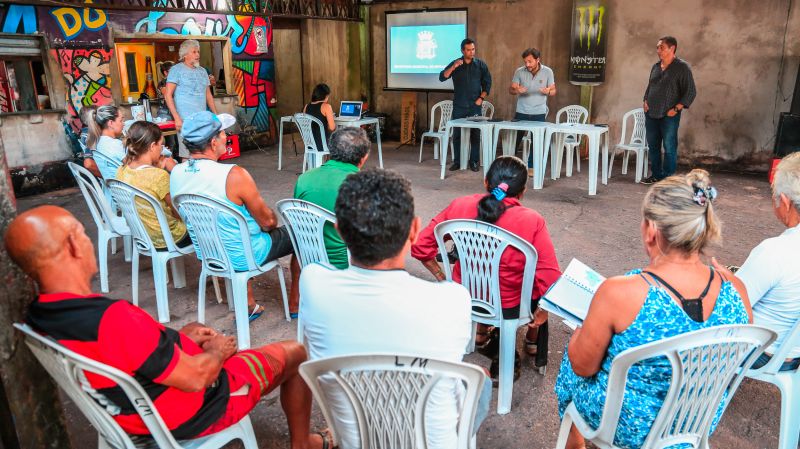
(570, 296)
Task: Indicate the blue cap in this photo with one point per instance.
(201, 126)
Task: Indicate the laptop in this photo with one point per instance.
(350, 111)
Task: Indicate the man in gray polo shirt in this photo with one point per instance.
(532, 83)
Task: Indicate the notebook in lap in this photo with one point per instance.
(569, 297)
(350, 111)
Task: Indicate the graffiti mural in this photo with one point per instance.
(20, 19)
(72, 21)
(86, 72)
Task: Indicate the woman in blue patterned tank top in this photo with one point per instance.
(650, 305)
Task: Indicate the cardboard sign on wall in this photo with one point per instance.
(408, 114)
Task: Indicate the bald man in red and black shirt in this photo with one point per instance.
(195, 377)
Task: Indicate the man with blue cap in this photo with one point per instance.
(204, 136)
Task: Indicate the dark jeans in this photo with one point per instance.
(528, 118)
(474, 135)
(764, 358)
(666, 130)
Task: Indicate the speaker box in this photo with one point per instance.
(788, 138)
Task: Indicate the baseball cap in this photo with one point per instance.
(201, 126)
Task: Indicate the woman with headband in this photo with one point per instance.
(505, 183)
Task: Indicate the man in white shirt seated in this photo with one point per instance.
(771, 272)
(375, 306)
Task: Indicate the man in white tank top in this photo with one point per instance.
(205, 137)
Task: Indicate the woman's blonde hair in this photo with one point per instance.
(97, 120)
(681, 209)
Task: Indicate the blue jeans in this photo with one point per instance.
(764, 358)
(666, 130)
(528, 118)
(474, 135)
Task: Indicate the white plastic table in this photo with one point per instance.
(364, 121)
(466, 125)
(595, 134)
(284, 119)
(537, 130)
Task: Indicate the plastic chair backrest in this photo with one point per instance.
(487, 109)
(637, 136)
(480, 247)
(305, 123)
(306, 224)
(127, 196)
(101, 158)
(68, 369)
(575, 114)
(706, 364)
(389, 394)
(202, 216)
(790, 341)
(96, 200)
(446, 113)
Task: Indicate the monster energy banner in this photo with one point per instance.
(587, 62)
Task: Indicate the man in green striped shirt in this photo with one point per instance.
(349, 149)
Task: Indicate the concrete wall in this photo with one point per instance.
(736, 48)
(331, 55)
(288, 65)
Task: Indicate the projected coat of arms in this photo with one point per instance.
(426, 45)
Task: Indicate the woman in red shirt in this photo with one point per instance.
(506, 183)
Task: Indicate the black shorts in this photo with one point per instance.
(281, 244)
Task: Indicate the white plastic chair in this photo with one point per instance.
(788, 383)
(109, 225)
(202, 215)
(637, 144)
(389, 394)
(127, 197)
(487, 109)
(68, 369)
(706, 364)
(568, 143)
(306, 224)
(312, 156)
(441, 139)
(480, 246)
(105, 164)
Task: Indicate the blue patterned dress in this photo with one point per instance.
(659, 318)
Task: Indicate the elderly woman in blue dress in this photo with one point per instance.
(676, 293)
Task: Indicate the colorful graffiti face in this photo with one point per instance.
(87, 75)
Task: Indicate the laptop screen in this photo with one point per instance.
(350, 109)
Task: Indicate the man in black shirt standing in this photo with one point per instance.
(669, 91)
(471, 85)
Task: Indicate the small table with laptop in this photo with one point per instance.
(350, 115)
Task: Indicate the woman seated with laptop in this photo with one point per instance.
(320, 109)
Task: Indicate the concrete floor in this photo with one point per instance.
(602, 231)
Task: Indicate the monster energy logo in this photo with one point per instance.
(590, 20)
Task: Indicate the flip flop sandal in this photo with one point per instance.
(531, 348)
(255, 313)
(294, 315)
(327, 439)
(487, 337)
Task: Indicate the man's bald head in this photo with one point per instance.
(39, 238)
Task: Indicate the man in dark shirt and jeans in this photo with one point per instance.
(669, 91)
(471, 85)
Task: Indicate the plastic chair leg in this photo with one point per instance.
(563, 432)
(201, 297)
(436, 149)
(102, 258)
(240, 312)
(471, 345)
(639, 165)
(127, 247)
(577, 158)
(421, 144)
(790, 414)
(282, 282)
(113, 245)
(625, 155)
(229, 293)
(508, 342)
(178, 272)
(247, 435)
(217, 293)
(160, 281)
(135, 278)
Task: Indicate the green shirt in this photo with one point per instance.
(321, 187)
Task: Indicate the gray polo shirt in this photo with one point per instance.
(533, 102)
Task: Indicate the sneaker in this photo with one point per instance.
(650, 180)
(455, 166)
(474, 166)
